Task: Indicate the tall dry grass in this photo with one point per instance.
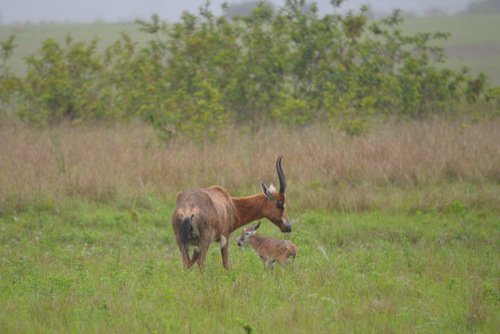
(408, 166)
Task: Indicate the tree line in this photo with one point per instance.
(194, 77)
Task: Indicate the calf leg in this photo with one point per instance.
(282, 257)
(293, 255)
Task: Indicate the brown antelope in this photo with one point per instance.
(268, 249)
(203, 216)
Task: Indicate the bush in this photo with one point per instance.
(65, 83)
(10, 83)
(288, 65)
(296, 67)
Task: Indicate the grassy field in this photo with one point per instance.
(398, 231)
(29, 38)
(475, 40)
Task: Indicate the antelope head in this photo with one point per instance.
(275, 208)
(247, 233)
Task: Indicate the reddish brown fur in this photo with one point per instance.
(216, 215)
(269, 250)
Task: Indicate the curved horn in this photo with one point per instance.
(281, 175)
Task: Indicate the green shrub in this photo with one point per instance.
(196, 76)
(65, 83)
(9, 82)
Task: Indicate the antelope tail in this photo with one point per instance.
(185, 231)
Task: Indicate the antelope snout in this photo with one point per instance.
(287, 228)
(240, 243)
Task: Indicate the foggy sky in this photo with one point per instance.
(56, 11)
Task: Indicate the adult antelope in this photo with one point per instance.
(203, 216)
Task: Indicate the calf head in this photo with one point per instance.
(246, 234)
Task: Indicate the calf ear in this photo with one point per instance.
(266, 191)
(256, 227)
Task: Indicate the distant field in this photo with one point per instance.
(30, 37)
(475, 41)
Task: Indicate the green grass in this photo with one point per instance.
(83, 267)
(475, 40)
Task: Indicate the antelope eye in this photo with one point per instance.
(280, 205)
(248, 233)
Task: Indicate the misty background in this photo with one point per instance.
(88, 11)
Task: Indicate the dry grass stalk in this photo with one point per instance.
(324, 168)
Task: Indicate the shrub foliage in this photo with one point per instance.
(289, 65)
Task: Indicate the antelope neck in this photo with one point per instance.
(249, 209)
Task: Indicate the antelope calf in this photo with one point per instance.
(269, 250)
(203, 216)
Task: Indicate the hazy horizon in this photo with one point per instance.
(79, 11)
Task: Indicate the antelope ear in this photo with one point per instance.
(256, 227)
(266, 191)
